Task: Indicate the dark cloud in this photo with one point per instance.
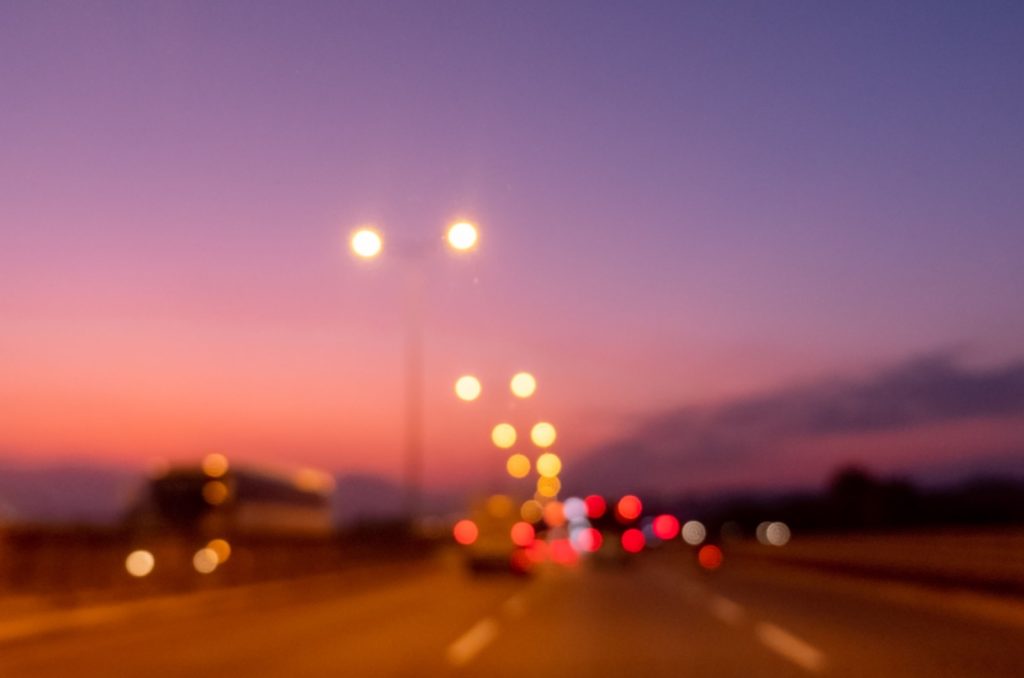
(929, 390)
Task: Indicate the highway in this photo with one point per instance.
(660, 616)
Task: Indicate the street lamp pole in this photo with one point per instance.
(367, 243)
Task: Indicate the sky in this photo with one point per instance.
(681, 206)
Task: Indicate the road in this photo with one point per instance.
(659, 617)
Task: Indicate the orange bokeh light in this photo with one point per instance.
(710, 557)
(629, 508)
(465, 532)
(522, 534)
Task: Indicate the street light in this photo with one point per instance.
(368, 243)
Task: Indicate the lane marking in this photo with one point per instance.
(472, 641)
(726, 610)
(789, 646)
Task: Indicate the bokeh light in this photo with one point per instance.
(554, 514)
(629, 508)
(522, 534)
(665, 527)
(222, 548)
(549, 465)
(531, 511)
(518, 466)
(467, 388)
(366, 243)
(575, 509)
(761, 532)
(543, 434)
(596, 506)
(523, 385)
(633, 540)
(694, 532)
(215, 465)
(465, 532)
(499, 506)
(563, 553)
(710, 557)
(462, 236)
(139, 563)
(504, 435)
(205, 560)
(548, 487)
(777, 534)
(589, 539)
(215, 492)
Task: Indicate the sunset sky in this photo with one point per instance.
(680, 204)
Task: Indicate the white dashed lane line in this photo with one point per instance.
(789, 646)
(725, 610)
(470, 643)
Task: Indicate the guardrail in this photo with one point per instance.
(71, 562)
(984, 559)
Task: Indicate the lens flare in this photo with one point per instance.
(467, 388)
(523, 385)
(543, 434)
(503, 436)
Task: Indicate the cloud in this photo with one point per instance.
(924, 391)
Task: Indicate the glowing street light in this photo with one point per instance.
(549, 465)
(462, 236)
(467, 388)
(503, 435)
(523, 385)
(366, 243)
(543, 434)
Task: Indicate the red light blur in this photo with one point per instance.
(520, 561)
(596, 506)
(590, 539)
(563, 553)
(522, 534)
(629, 508)
(633, 540)
(465, 532)
(537, 552)
(666, 527)
(710, 557)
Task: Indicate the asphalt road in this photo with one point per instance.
(661, 616)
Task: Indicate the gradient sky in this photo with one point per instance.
(680, 203)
